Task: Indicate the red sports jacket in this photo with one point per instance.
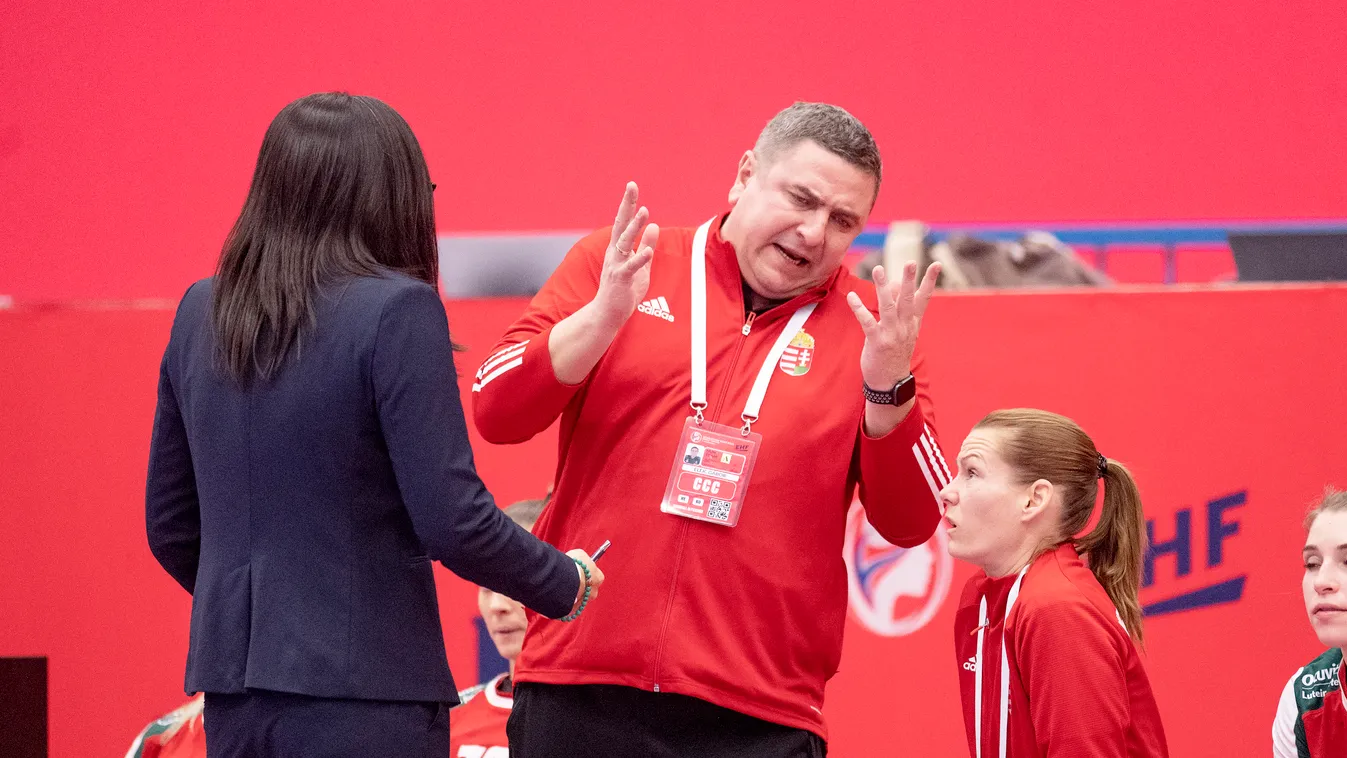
(477, 723)
(749, 618)
(1077, 686)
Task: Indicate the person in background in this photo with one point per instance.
(1311, 720)
(310, 458)
(1046, 633)
(477, 724)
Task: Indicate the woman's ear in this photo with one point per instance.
(1040, 496)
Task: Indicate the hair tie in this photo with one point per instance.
(1103, 466)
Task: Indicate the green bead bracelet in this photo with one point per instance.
(584, 599)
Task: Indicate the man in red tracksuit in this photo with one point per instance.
(723, 613)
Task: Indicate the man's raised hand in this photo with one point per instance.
(891, 339)
(626, 264)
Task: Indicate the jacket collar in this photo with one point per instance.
(996, 589)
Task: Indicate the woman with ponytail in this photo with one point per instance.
(1047, 633)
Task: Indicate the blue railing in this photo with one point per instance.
(1167, 235)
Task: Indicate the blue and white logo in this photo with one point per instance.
(894, 591)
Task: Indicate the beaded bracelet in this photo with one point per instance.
(584, 599)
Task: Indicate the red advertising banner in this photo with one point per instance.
(1226, 404)
(141, 120)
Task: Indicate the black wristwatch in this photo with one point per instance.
(901, 392)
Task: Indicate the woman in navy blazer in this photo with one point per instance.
(310, 458)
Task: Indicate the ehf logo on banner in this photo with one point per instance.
(894, 591)
(1177, 574)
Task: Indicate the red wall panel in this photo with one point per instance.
(130, 129)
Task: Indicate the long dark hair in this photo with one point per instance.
(340, 189)
(1043, 445)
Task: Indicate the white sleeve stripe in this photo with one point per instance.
(935, 490)
(508, 348)
(930, 455)
(939, 454)
(500, 358)
(517, 362)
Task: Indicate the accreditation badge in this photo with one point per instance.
(711, 468)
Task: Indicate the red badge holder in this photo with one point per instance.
(713, 462)
(711, 469)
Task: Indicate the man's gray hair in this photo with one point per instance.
(831, 127)
(526, 512)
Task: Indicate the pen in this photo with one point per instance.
(602, 549)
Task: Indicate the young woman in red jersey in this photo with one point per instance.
(1311, 718)
(1046, 633)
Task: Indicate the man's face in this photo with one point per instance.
(794, 217)
(505, 622)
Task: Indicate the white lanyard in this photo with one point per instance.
(793, 327)
(1005, 668)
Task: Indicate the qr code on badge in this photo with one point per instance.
(718, 510)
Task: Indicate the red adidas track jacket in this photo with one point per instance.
(1077, 685)
(749, 618)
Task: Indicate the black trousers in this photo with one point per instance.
(597, 720)
(262, 723)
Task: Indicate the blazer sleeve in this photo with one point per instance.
(172, 510)
(455, 517)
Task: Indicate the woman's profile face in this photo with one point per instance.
(982, 503)
(1325, 582)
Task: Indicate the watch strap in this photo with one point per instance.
(899, 394)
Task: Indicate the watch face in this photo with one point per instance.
(905, 391)
(900, 393)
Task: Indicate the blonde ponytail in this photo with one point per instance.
(1117, 544)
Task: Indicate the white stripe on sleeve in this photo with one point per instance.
(501, 357)
(940, 472)
(939, 454)
(921, 461)
(517, 362)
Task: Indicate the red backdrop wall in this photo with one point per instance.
(1203, 393)
(130, 129)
